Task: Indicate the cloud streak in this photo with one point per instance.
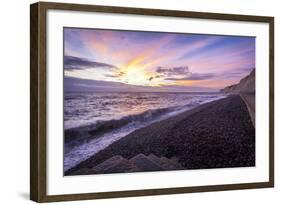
(181, 70)
(194, 76)
(75, 63)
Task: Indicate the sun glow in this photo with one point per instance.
(135, 76)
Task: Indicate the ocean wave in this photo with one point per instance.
(99, 127)
(105, 126)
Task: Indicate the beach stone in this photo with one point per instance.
(145, 164)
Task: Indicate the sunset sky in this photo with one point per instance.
(156, 60)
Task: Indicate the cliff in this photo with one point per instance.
(246, 85)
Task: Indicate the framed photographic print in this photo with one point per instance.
(134, 102)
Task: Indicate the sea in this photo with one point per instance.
(93, 121)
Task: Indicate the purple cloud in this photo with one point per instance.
(180, 70)
(75, 63)
(195, 76)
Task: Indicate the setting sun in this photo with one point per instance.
(135, 76)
